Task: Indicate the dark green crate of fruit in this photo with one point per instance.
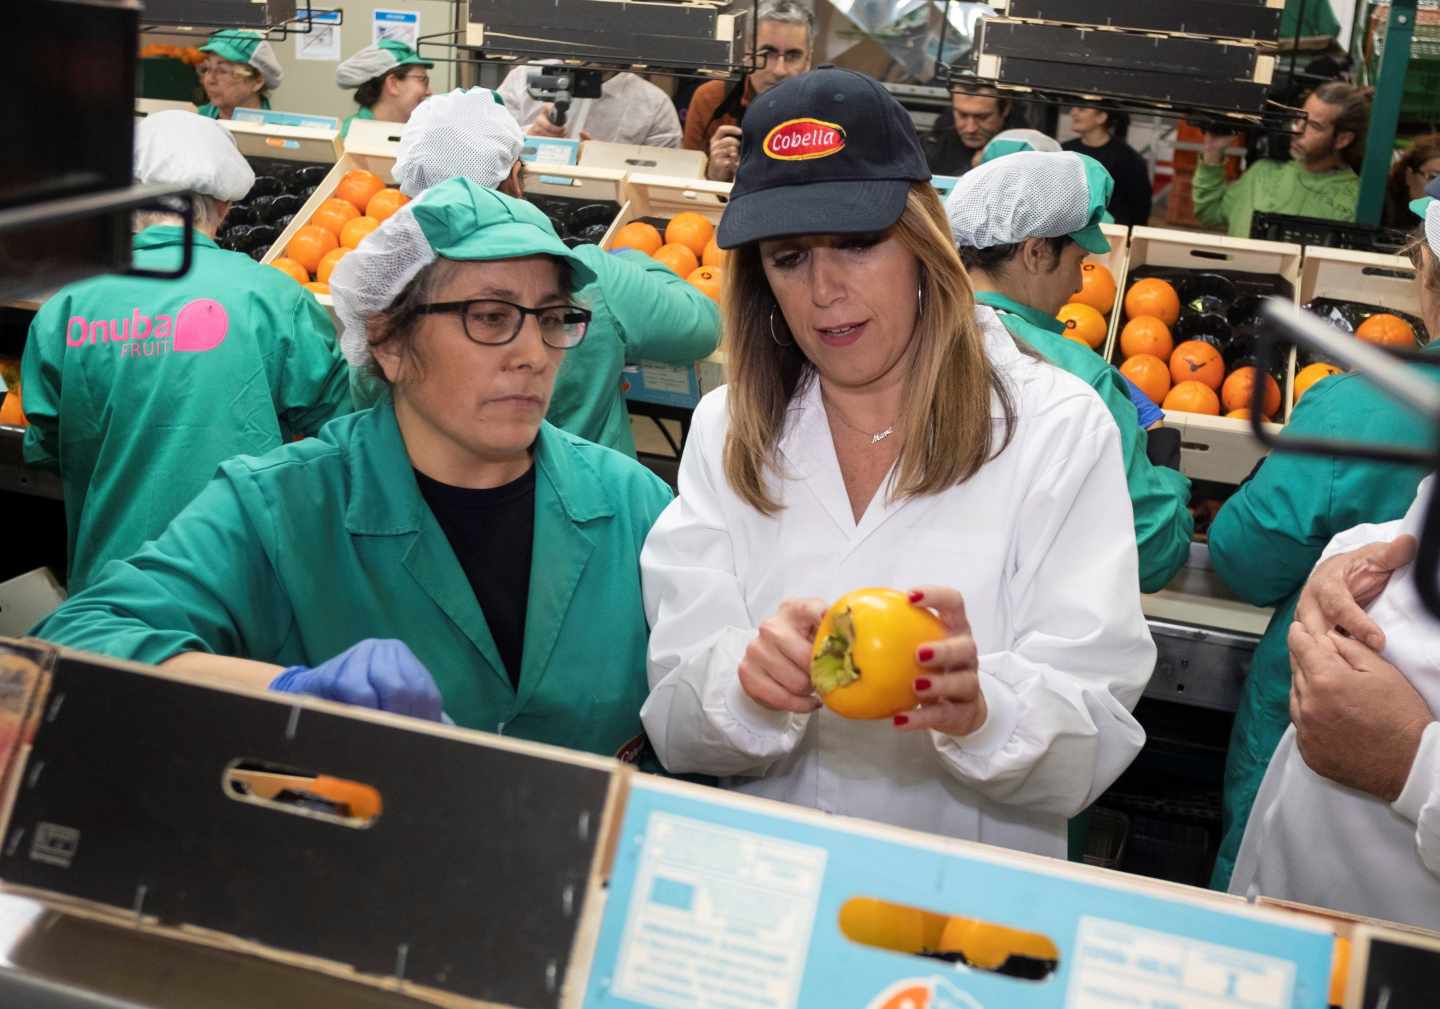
(170, 79)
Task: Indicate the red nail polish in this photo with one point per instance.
(916, 596)
(925, 654)
(902, 719)
(921, 683)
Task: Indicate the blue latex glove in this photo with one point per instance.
(375, 673)
(1144, 406)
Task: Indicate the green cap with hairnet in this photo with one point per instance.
(1031, 194)
(244, 45)
(459, 220)
(376, 60)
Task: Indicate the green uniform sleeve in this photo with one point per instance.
(40, 389)
(1160, 496)
(1216, 202)
(205, 585)
(1270, 533)
(314, 379)
(660, 316)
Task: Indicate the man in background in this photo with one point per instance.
(976, 114)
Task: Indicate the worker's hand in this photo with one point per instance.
(1341, 587)
(775, 669)
(951, 700)
(724, 154)
(375, 673)
(1358, 721)
(543, 126)
(1215, 146)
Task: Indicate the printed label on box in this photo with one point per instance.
(666, 378)
(1119, 965)
(721, 918)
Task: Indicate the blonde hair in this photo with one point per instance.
(945, 422)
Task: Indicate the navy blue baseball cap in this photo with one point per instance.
(830, 152)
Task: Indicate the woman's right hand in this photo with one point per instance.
(775, 670)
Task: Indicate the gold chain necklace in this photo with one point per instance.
(876, 437)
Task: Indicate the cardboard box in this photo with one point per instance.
(641, 160)
(611, 890)
(1215, 448)
(1117, 261)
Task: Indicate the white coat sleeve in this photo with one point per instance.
(1059, 729)
(697, 716)
(516, 94)
(1419, 802)
(1361, 536)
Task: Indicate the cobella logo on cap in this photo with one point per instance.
(803, 139)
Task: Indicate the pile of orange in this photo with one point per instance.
(358, 205)
(1087, 314)
(1190, 377)
(189, 55)
(12, 411)
(687, 249)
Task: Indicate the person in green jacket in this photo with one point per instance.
(390, 80)
(1269, 535)
(446, 550)
(136, 389)
(1320, 180)
(239, 72)
(1024, 223)
(640, 309)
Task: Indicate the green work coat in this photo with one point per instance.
(1269, 535)
(210, 111)
(364, 113)
(1272, 187)
(1159, 495)
(640, 311)
(294, 556)
(137, 389)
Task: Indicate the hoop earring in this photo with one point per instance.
(777, 339)
(920, 300)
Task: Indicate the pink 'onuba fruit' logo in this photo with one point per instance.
(201, 325)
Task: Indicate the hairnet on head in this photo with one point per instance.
(458, 220)
(373, 61)
(1016, 141)
(181, 148)
(1427, 208)
(465, 134)
(1031, 195)
(244, 45)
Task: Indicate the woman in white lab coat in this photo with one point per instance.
(873, 433)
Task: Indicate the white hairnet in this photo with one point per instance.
(368, 280)
(1432, 227)
(366, 65)
(245, 45)
(465, 134)
(1015, 141)
(184, 149)
(264, 60)
(1020, 196)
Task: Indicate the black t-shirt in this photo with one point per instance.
(492, 532)
(1130, 202)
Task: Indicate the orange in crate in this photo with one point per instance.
(1192, 397)
(327, 264)
(291, 269)
(1387, 330)
(1097, 288)
(713, 255)
(1240, 414)
(691, 230)
(638, 235)
(385, 203)
(355, 231)
(1085, 322)
(1312, 373)
(357, 187)
(1153, 296)
(1238, 389)
(1196, 360)
(309, 245)
(12, 410)
(333, 215)
(709, 280)
(1150, 374)
(678, 258)
(1146, 335)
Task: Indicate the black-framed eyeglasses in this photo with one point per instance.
(493, 322)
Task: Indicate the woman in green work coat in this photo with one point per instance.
(136, 389)
(1024, 222)
(496, 555)
(239, 72)
(389, 79)
(1271, 532)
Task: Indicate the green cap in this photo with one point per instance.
(1017, 142)
(234, 44)
(403, 54)
(462, 220)
(1421, 207)
(1099, 185)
